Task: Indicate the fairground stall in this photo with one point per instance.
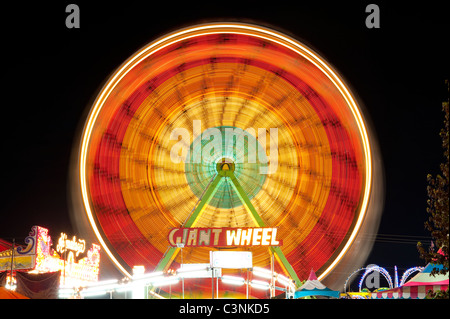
(419, 286)
(67, 263)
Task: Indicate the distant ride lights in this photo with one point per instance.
(371, 277)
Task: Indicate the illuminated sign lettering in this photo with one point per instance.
(65, 244)
(220, 237)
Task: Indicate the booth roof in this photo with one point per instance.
(425, 278)
(313, 287)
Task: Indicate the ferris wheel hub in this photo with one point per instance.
(225, 165)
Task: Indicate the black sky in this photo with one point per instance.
(50, 75)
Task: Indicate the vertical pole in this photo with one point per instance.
(246, 289)
(396, 277)
(258, 221)
(272, 281)
(182, 278)
(12, 264)
(171, 253)
(64, 261)
(217, 287)
(212, 282)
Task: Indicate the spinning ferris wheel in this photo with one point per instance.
(160, 149)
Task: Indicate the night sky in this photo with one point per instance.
(51, 74)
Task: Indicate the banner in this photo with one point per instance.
(38, 286)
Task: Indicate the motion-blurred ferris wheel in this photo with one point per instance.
(140, 176)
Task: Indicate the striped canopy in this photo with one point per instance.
(425, 278)
(418, 286)
(313, 287)
(413, 292)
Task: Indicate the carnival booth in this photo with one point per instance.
(313, 287)
(418, 286)
(38, 269)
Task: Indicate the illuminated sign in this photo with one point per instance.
(222, 237)
(75, 246)
(73, 273)
(84, 270)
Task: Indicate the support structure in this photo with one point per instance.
(224, 170)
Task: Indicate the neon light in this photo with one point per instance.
(395, 277)
(259, 284)
(232, 280)
(220, 237)
(386, 275)
(64, 244)
(384, 272)
(165, 281)
(408, 273)
(379, 269)
(261, 272)
(73, 272)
